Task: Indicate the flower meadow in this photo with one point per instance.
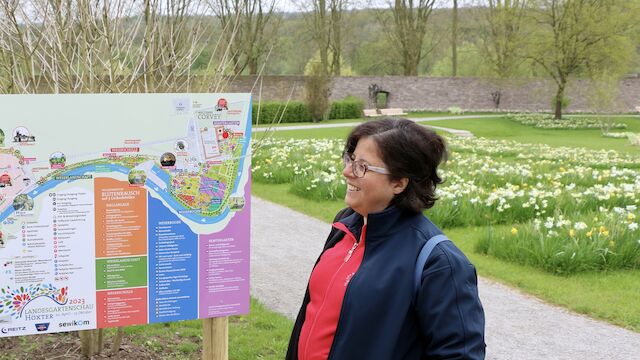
(564, 210)
(547, 121)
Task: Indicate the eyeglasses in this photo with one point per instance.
(359, 167)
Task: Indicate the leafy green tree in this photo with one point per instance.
(581, 37)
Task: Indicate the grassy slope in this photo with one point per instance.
(499, 128)
(421, 114)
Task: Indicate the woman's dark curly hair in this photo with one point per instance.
(409, 151)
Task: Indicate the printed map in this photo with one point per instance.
(145, 197)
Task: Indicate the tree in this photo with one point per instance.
(117, 46)
(454, 39)
(104, 46)
(503, 36)
(254, 26)
(408, 29)
(580, 36)
(325, 20)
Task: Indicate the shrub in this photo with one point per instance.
(348, 108)
(318, 88)
(270, 112)
(634, 139)
(455, 110)
(615, 135)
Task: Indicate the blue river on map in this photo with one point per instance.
(163, 193)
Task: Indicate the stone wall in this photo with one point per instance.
(430, 93)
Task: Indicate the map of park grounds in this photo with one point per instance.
(160, 182)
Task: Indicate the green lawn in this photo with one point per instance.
(445, 113)
(262, 334)
(419, 114)
(500, 128)
(497, 128)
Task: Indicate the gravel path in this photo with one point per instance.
(285, 245)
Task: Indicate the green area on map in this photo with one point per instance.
(117, 273)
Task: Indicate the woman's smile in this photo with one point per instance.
(352, 188)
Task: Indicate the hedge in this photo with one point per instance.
(348, 108)
(296, 111)
(270, 112)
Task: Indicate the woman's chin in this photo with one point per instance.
(349, 200)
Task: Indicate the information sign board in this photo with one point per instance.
(125, 209)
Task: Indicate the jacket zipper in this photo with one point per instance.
(346, 294)
(346, 259)
(350, 252)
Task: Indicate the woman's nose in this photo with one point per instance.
(347, 171)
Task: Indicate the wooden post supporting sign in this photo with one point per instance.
(215, 339)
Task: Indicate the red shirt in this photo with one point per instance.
(327, 286)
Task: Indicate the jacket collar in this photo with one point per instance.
(378, 224)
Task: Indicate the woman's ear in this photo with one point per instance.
(399, 185)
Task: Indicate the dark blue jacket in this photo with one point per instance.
(380, 319)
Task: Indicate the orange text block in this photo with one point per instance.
(121, 218)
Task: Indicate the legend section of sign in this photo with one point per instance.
(173, 266)
(121, 218)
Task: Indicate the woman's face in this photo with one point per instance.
(373, 192)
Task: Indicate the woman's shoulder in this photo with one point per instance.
(423, 227)
(445, 252)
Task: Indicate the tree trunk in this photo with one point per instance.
(411, 62)
(454, 40)
(253, 66)
(559, 98)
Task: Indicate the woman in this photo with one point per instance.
(362, 301)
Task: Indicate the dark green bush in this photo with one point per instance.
(348, 108)
(270, 112)
(297, 111)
